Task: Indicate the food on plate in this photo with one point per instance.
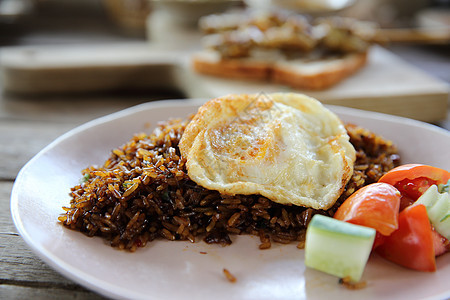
(411, 235)
(230, 277)
(438, 209)
(375, 205)
(286, 147)
(283, 47)
(411, 245)
(427, 185)
(412, 180)
(338, 248)
(143, 191)
(351, 285)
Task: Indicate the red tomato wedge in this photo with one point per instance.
(375, 205)
(379, 239)
(413, 180)
(411, 245)
(441, 244)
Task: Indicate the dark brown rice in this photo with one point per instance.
(142, 193)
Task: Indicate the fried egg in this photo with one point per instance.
(284, 146)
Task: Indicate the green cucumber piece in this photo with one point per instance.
(443, 227)
(428, 198)
(337, 247)
(444, 188)
(440, 208)
(439, 211)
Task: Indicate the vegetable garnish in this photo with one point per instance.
(412, 180)
(350, 250)
(411, 245)
(408, 213)
(410, 210)
(375, 205)
(84, 178)
(438, 209)
(444, 187)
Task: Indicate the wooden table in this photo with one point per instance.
(27, 124)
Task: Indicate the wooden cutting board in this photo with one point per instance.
(387, 84)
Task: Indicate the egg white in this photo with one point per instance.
(287, 147)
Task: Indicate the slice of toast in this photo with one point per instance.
(309, 74)
(317, 74)
(211, 63)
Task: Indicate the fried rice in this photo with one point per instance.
(142, 193)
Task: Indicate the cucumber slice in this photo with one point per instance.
(439, 210)
(443, 227)
(337, 247)
(444, 188)
(428, 198)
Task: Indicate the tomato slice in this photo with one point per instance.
(379, 239)
(376, 205)
(411, 245)
(412, 180)
(441, 244)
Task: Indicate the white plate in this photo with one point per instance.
(174, 270)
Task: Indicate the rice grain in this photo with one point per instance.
(142, 192)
